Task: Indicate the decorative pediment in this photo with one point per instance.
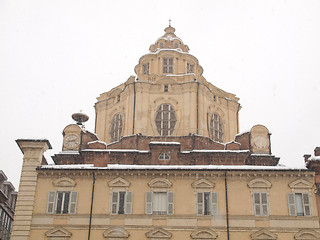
(119, 182)
(263, 234)
(158, 233)
(300, 184)
(64, 182)
(203, 183)
(118, 233)
(307, 235)
(58, 233)
(259, 184)
(203, 234)
(160, 183)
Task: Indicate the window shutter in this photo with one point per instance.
(291, 204)
(199, 203)
(128, 208)
(306, 204)
(214, 203)
(264, 204)
(114, 202)
(256, 204)
(51, 202)
(148, 202)
(73, 203)
(170, 209)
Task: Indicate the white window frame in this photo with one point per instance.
(145, 68)
(149, 203)
(190, 68)
(211, 205)
(216, 127)
(171, 119)
(115, 202)
(167, 65)
(164, 156)
(53, 201)
(306, 204)
(260, 204)
(116, 127)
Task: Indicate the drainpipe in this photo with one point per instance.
(92, 194)
(198, 108)
(134, 106)
(227, 207)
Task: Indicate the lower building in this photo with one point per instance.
(97, 193)
(8, 197)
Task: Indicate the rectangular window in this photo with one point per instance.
(160, 203)
(260, 204)
(165, 88)
(145, 68)
(190, 68)
(299, 204)
(62, 202)
(167, 65)
(207, 203)
(121, 202)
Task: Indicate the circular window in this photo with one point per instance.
(165, 120)
(116, 127)
(216, 128)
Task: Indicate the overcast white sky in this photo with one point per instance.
(57, 56)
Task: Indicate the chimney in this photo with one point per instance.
(306, 157)
(317, 151)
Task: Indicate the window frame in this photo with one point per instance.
(165, 119)
(149, 203)
(167, 65)
(292, 204)
(52, 203)
(211, 205)
(145, 69)
(190, 68)
(260, 204)
(116, 127)
(127, 202)
(216, 127)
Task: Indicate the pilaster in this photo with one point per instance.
(32, 150)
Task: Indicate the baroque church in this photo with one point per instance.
(165, 161)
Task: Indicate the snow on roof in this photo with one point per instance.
(69, 152)
(239, 134)
(314, 158)
(216, 151)
(97, 141)
(115, 150)
(165, 143)
(170, 167)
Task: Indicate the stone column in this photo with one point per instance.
(32, 157)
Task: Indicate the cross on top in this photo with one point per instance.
(169, 22)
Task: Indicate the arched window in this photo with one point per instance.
(116, 128)
(216, 128)
(165, 120)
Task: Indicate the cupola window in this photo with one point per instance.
(165, 120)
(146, 68)
(190, 68)
(116, 128)
(216, 128)
(165, 88)
(164, 156)
(167, 65)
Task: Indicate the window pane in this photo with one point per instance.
(257, 208)
(299, 204)
(59, 202)
(216, 128)
(121, 202)
(257, 198)
(206, 203)
(116, 127)
(66, 202)
(159, 203)
(263, 198)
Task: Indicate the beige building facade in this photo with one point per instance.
(166, 161)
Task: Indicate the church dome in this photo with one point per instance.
(169, 58)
